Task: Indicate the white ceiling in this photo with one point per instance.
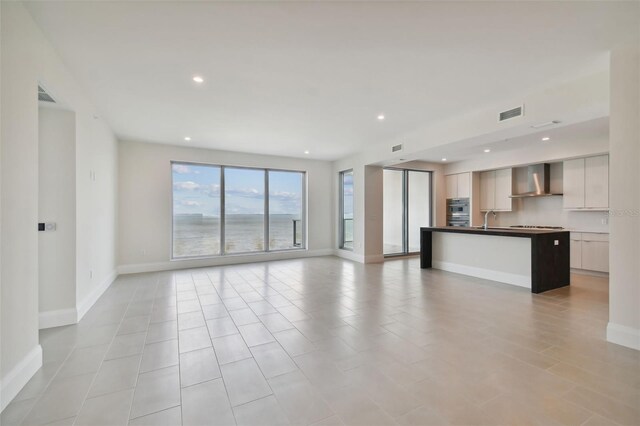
(284, 77)
(586, 131)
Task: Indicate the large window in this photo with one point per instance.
(244, 210)
(346, 209)
(196, 210)
(220, 210)
(285, 210)
(406, 207)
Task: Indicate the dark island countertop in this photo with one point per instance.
(503, 232)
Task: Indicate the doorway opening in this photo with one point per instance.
(407, 206)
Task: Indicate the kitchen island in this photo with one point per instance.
(533, 258)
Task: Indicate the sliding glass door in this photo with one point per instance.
(418, 206)
(406, 208)
(393, 214)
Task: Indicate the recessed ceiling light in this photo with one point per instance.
(306, 151)
(546, 138)
(444, 159)
(187, 138)
(380, 117)
(198, 79)
(487, 150)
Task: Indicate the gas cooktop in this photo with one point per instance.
(536, 227)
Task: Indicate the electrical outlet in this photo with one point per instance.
(50, 226)
(556, 242)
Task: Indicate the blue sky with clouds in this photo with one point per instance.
(196, 190)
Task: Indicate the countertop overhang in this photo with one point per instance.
(503, 232)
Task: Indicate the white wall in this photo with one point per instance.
(19, 247)
(145, 203)
(57, 203)
(624, 199)
(28, 58)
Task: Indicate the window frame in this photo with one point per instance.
(222, 253)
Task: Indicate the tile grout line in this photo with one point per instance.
(135, 386)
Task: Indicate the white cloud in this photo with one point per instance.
(186, 186)
(181, 169)
(190, 203)
(244, 192)
(283, 195)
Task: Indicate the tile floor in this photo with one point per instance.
(326, 341)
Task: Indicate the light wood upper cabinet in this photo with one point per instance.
(596, 182)
(495, 189)
(452, 186)
(487, 190)
(586, 183)
(464, 185)
(459, 185)
(504, 189)
(573, 184)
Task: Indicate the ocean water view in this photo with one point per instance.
(197, 235)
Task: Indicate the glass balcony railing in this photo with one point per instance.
(297, 232)
(347, 229)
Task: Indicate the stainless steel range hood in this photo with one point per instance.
(538, 182)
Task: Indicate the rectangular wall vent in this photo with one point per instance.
(512, 113)
(44, 96)
(396, 148)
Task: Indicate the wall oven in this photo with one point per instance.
(458, 212)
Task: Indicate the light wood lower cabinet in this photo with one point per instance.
(589, 251)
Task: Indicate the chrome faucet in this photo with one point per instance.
(486, 218)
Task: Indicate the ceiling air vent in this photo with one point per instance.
(44, 96)
(512, 113)
(396, 148)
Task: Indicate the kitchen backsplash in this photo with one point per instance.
(549, 211)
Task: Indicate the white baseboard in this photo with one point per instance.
(487, 274)
(92, 298)
(623, 335)
(348, 254)
(19, 375)
(57, 318)
(220, 261)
